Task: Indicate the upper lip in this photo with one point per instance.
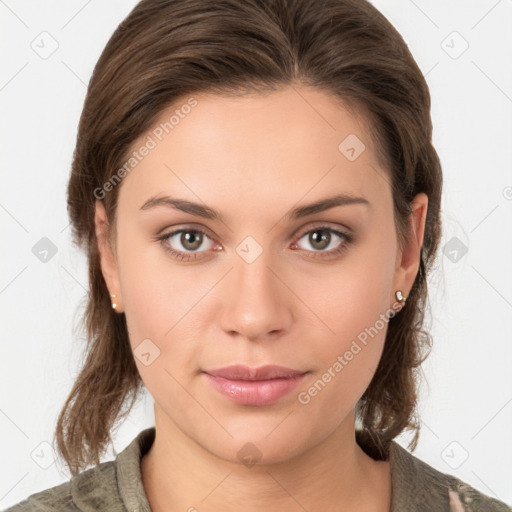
(242, 372)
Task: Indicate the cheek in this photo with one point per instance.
(345, 362)
(351, 295)
(157, 294)
(353, 304)
(158, 305)
(162, 303)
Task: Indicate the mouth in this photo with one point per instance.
(255, 386)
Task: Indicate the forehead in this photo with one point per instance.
(276, 147)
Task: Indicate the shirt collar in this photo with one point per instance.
(129, 476)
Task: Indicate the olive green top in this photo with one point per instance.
(116, 486)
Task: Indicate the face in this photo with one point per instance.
(265, 281)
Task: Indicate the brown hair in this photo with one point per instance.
(167, 49)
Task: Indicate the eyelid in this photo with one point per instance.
(186, 227)
(319, 224)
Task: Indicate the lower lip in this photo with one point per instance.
(260, 392)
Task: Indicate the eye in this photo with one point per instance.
(183, 244)
(324, 241)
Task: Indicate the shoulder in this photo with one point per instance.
(418, 486)
(93, 489)
(56, 498)
(113, 486)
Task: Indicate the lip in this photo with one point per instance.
(254, 386)
(242, 372)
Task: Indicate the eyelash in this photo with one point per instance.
(188, 256)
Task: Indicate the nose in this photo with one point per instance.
(258, 305)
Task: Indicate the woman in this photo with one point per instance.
(255, 187)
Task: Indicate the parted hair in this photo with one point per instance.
(166, 50)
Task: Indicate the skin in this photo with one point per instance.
(254, 158)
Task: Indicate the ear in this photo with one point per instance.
(107, 255)
(408, 259)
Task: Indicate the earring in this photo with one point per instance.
(114, 305)
(400, 296)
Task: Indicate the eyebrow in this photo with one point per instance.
(209, 213)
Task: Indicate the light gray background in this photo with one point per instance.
(466, 406)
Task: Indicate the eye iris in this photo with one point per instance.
(194, 238)
(323, 240)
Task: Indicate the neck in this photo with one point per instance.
(180, 474)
